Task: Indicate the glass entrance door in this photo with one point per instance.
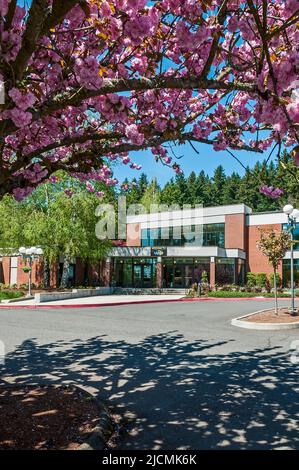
(178, 276)
(147, 275)
(137, 275)
(143, 275)
(188, 275)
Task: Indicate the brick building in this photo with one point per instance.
(172, 249)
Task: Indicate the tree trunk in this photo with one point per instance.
(275, 292)
(86, 266)
(65, 272)
(46, 274)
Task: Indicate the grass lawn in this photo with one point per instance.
(8, 294)
(228, 294)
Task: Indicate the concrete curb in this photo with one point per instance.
(138, 302)
(262, 326)
(20, 299)
(101, 434)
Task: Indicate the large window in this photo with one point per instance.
(134, 272)
(295, 234)
(200, 235)
(225, 271)
(286, 272)
(183, 272)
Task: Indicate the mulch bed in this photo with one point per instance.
(45, 417)
(269, 316)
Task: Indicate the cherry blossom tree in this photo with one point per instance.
(86, 82)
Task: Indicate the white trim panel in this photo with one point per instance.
(217, 219)
(288, 255)
(197, 212)
(267, 219)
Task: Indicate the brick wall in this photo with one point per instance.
(256, 261)
(133, 235)
(5, 270)
(235, 231)
(37, 273)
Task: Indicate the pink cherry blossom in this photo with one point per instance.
(89, 187)
(20, 118)
(271, 191)
(134, 135)
(115, 76)
(68, 192)
(3, 7)
(22, 100)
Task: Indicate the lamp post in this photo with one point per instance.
(293, 215)
(29, 255)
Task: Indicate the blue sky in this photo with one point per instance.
(207, 160)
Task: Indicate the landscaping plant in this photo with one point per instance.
(274, 245)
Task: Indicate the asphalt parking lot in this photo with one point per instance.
(178, 373)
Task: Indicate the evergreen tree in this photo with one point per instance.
(170, 194)
(219, 180)
(231, 188)
(142, 184)
(152, 195)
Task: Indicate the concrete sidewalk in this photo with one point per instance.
(114, 300)
(95, 301)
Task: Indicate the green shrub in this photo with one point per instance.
(4, 286)
(204, 277)
(23, 286)
(4, 295)
(278, 280)
(261, 279)
(251, 279)
(225, 294)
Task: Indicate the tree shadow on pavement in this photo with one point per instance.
(175, 394)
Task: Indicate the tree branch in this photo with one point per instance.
(37, 15)
(39, 23)
(10, 14)
(75, 97)
(221, 18)
(59, 10)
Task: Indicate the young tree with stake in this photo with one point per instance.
(274, 245)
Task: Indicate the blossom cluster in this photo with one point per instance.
(114, 76)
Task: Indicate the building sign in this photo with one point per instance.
(159, 252)
(128, 251)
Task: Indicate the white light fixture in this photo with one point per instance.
(295, 214)
(288, 209)
(292, 214)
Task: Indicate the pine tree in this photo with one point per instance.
(231, 188)
(142, 184)
(152, 195)
(218, 180)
